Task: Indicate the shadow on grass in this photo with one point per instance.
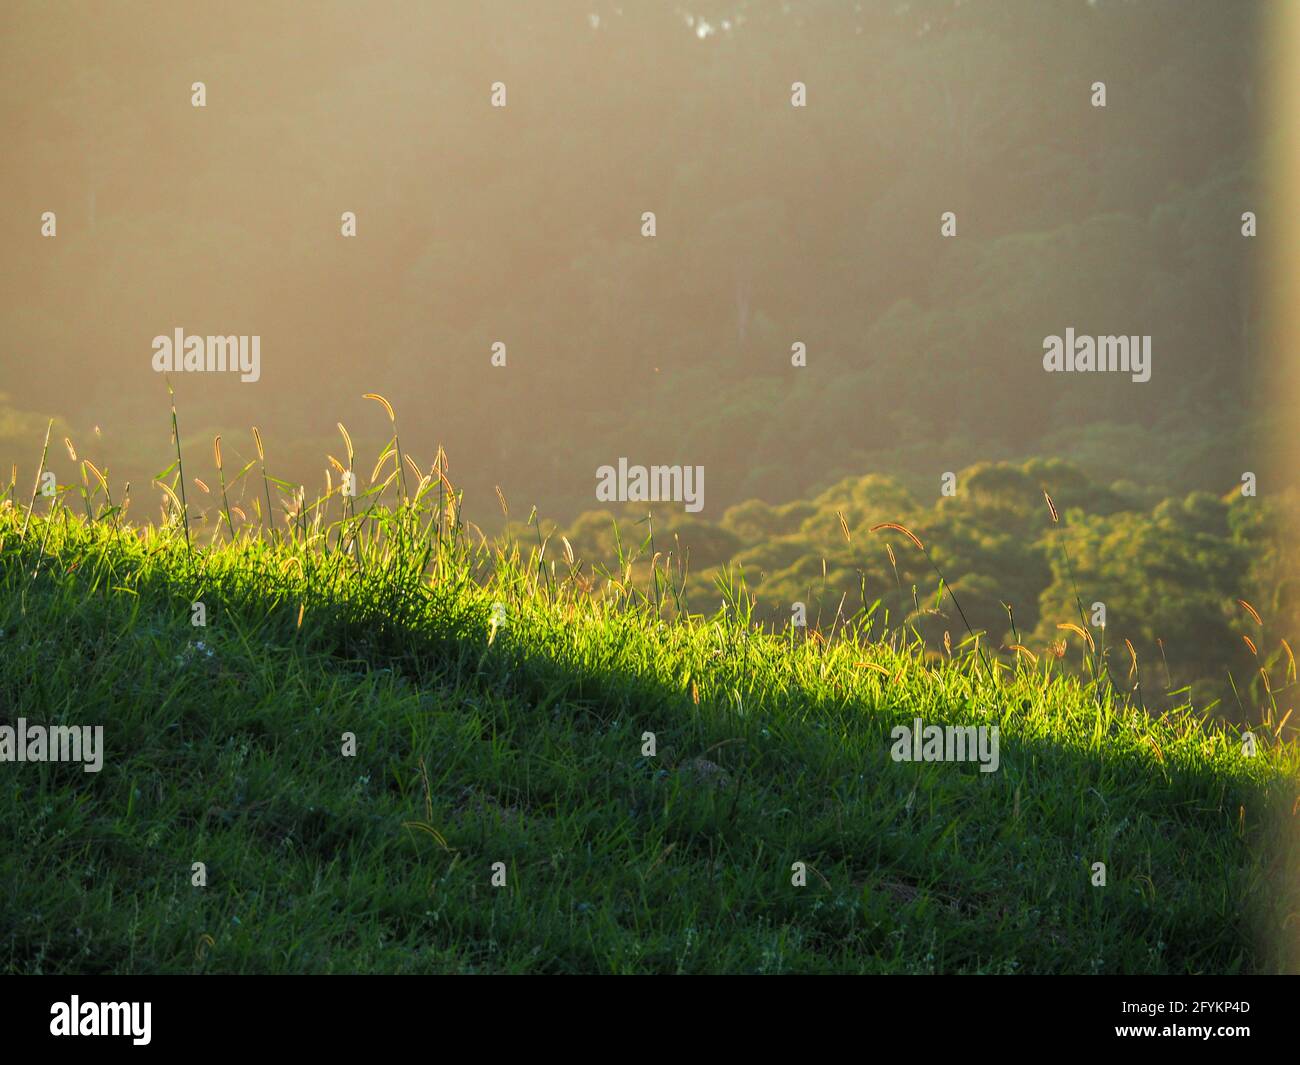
(501, 812)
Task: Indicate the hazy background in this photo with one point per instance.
(522, 224)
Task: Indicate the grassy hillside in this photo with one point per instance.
(499, 708)
(1185, 581)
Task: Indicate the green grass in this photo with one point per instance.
(521, 743)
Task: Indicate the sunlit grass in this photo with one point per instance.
(499, 695)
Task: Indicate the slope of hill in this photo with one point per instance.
(500, 711)
(1201, 587)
